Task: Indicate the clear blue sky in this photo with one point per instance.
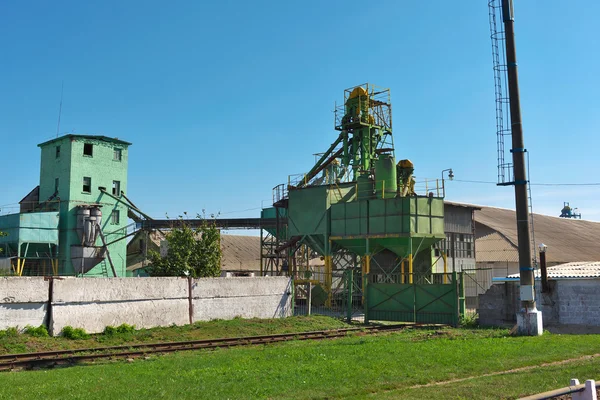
(222, 100)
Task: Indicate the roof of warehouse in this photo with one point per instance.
(588, 269)
(464, 205)
(240, 253)
(567, 239)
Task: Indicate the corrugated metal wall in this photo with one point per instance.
(458, 219)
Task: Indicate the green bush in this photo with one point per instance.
(469, 321)
(74, 333)
(125, 328)
(40, 331)
(110, 330)
(121, 329)
(9, 332)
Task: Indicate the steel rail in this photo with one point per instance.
(25, 360)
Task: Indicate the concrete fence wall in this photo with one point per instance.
(569, 302)
(243, 297)
(23, 301)
(94, 303)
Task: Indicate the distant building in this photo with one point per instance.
(240, 254)
(459, 245)
(568, 240)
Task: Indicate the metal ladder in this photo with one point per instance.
(503, 127)
(104, 268)
(530, 200)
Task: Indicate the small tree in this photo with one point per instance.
(194, 252)
(2, 234)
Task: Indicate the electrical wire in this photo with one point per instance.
(533, 184)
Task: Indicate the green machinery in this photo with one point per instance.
(356, 208)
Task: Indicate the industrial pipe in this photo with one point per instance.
(543, 270)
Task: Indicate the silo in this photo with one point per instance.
(386, 184)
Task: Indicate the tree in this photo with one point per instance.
(2, 234)
(194, 252)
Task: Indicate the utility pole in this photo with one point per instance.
(529, 319)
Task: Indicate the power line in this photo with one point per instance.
(533, 184)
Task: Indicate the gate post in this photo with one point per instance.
(414, 290)
(349, 287)
(455, 286)
(461, 292)
(308, 297)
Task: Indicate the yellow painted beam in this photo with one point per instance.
(445, 267)
(328, 278)
(402, 271)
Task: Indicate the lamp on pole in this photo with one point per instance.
(543, 270)
(450, 176)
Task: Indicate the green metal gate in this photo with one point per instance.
(435, 303)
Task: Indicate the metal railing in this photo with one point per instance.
(375, 189)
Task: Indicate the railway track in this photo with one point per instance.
(65, 357)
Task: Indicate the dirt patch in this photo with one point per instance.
(510, 371)
(573, 329)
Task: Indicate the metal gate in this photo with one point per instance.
(341, 298)
(438, 303)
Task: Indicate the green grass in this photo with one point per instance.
(512, 385)
(13, 342)
(360, 366)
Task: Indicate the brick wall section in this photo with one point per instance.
(570, 302)
(579, 302)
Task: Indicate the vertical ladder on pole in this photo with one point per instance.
(533, 245)
(503, 127)
(503, 122)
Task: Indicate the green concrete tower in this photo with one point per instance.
(77, 170)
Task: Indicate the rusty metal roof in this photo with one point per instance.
(572, 270)
(568, 240)
(240, 253)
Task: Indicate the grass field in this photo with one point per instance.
(201, 330)
(387, 366)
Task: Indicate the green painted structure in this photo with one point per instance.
(76, 171)
(358, 202)
(32, 237)
(83, 164)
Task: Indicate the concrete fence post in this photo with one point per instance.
(589, 393)
(190, 300)
(48, 319)
(308, 297)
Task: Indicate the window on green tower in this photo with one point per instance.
(116, 188)
(114, 217)
(88, 149)
(87, 184)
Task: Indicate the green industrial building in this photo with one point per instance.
(377, 230)
(72, 223)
